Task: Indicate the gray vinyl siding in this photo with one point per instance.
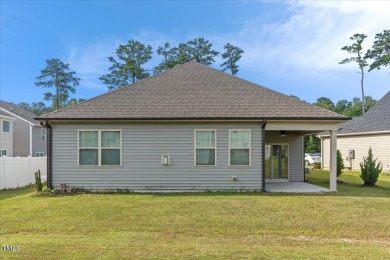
(37, 144)
(142, 147)
(295, 148)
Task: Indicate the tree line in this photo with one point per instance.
(344, 107)
(379, 54)
(127, 67)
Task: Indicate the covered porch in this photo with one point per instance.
(284, 155)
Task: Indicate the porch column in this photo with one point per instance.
(333, 161)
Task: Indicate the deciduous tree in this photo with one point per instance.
(325, 102)
(37, 108)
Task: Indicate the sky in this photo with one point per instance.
(290, 46)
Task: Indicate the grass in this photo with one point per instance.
(351, 224)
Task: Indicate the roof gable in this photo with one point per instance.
(16, 111)
(193, 91)
(376, 119)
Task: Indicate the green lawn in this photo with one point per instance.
(351, 224)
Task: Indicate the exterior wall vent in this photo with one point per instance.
(165, 160)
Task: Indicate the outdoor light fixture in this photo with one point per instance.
(283, 133)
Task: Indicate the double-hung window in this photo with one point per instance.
(39, 154)
(43, 134)
(205, 148)
(240, 147)
(100, 147)
(5, 126)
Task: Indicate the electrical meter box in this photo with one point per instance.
(351, 154)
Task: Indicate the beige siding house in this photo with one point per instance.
(371, 130)
(191, 128)
(6, 129)
(28, 137)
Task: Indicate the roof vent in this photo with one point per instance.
(10, 108)
(21, 112)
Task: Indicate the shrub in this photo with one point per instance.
(38, 181)
(370, 169)
(340, 162)
(317, 166)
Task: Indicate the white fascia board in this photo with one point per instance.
(358, 133)
(301, 126)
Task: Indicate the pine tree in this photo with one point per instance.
(129, 68)
(231, 56)
(57, 74)
(370, 169)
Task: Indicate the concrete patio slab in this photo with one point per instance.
(294, 187)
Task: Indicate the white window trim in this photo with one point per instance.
(1, 152)
(99, 148)
(250, 147)
(288, 165)
(43, 130)
(9, 126)
(215, 147)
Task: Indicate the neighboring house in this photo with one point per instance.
(189, 128)
(27, 136)
(6, 128)
(371, 130)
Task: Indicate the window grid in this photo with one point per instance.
(201, 147)
(99, 148)
(237, 147)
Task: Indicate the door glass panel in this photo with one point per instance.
(276, 161)
(284, 158)
(268, 160)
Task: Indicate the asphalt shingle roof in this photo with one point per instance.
(193, 91)
(376, 119)
(16, 110)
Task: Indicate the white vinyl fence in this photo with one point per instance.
(19, 171)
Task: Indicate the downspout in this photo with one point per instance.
(49, 154)
(31, 126)
(263, 155)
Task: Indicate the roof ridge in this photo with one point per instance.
(115, 90)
